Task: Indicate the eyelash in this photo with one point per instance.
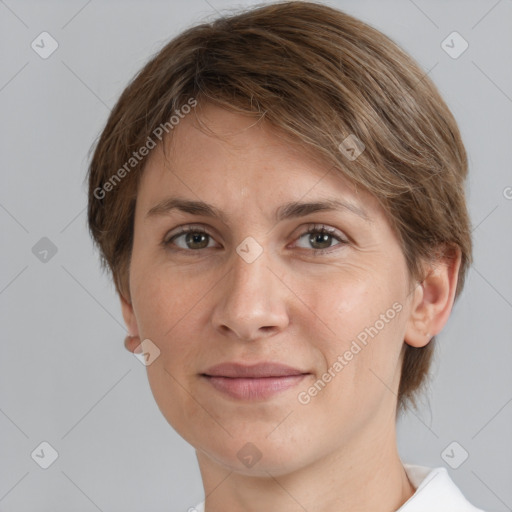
(311, 229)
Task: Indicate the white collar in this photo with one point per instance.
(435, 490)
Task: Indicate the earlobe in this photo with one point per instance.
(433, 300)
(132, 341)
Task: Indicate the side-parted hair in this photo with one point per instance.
(321, 78)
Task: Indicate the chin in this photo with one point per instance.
(258, 457)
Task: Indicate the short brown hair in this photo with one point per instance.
(318, 76)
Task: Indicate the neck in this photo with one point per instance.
(356, 477)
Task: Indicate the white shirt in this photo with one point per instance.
(435, 492)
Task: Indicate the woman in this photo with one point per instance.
(280, 198)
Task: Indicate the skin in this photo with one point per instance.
(202, 306)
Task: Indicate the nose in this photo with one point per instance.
(251, 301)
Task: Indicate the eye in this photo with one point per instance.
(190, 238)
(320, 238)
(194, 238)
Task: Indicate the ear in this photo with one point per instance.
(433, 299)
(132, 341)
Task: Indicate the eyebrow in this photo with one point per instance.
(286, 211)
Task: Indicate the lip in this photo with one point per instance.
(258, 370)
(255, 382)
(255, 388)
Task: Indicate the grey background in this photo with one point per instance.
(65, 377)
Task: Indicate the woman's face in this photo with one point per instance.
(263, 284)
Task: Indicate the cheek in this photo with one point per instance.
(162, 302)
(164, 307)
(356, 325)
(342, 304)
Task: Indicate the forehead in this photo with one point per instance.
(223, 157)
(211, 131)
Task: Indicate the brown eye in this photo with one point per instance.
(190, 239)
(196, 240)
(320, 239)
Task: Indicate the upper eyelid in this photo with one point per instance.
(180, 230)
